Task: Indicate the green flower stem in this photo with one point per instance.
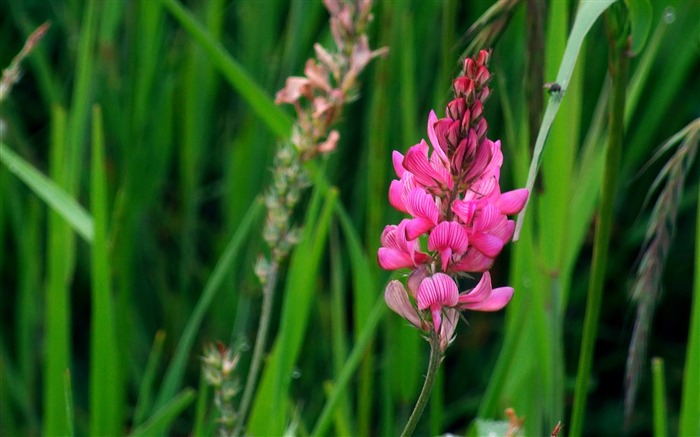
(433, 367)
(618, 64)
(259, 350)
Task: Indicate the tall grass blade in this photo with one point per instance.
(689, 423)
(275, 118)
(59, 271)
(106, 388)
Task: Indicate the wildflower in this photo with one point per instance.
(450, 188)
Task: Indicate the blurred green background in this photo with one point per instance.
(186, 155)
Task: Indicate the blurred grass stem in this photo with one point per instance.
(260, 343)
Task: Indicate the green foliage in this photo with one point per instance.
(102, 334)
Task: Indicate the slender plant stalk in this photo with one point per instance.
(260, 340)
(618, 64)
(660, 409)
(433, 367)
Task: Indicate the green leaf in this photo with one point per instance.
(54, 196)
(640, 14)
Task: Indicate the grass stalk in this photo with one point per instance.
(618, 65)
(659, 396)
(260, 345)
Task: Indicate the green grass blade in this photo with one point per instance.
(640, 20)
(81, 100)
(690, 400)
(203, 401)
(60, 259)
(588, 13)
(338, 311)
(50, 192)
(340, 386)
(165, 415)
(144, 402)
(106, 388)
(274, 117)
(174, 374)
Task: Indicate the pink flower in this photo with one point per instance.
(397, 252)
(448, 238)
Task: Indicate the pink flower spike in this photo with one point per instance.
(422, 207)
(435, 292)
(397, 299)
(512, 202)
(448, 238)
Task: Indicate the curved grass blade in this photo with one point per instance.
(588, 13)
(54, 196)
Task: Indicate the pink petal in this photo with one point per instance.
(498, 299)
(397, 160)
(392, 259)
(438, 289)
(421, 205)
(397, 299)
(487, 244)
(432, 119)
(448, 237)
(415, 278)
(478, 293)
(416, 161)
(512, 202)
(464, 210)
(396, 195)
(473, 261)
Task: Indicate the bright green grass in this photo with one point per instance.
(141, 136)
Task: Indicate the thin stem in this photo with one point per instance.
(618, 64)
(433, 367)
(260, 339)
